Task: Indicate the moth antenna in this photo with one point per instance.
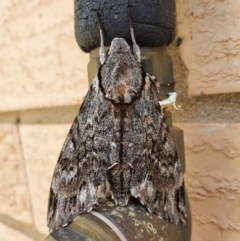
(136, 49)
(102, 51)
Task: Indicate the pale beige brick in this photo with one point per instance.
(42, 145)
(9, 234)
(210, 45)
(205, 232)
(230, 235)
(41, 64)
(14, 196)
(213, 178)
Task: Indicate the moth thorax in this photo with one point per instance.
(123, 87)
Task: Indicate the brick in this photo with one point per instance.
(9, 234)
(41, 64)
(205, 232)
(230, 235)
(212, 178)
(210, 46)
(42, 145)
(14, 196)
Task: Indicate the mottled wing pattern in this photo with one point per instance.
(157, 178)
(82, 163)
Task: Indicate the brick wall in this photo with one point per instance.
(43, 79)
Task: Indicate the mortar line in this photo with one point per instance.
(26, 229)
(20, 143)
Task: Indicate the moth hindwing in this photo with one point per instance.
(119, 135)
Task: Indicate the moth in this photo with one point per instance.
(120, 135)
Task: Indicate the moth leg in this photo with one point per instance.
(102, 51)
(171, 100)
(136, 49)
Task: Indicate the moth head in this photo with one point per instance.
(121, 76)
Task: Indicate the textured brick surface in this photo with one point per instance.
(9, 234)
(210, 45)
(14, 196)
(212, 179)
(42, 145)
(41, 64)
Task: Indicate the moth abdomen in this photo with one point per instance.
(119, 177)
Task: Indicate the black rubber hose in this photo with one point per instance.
(153, 22)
